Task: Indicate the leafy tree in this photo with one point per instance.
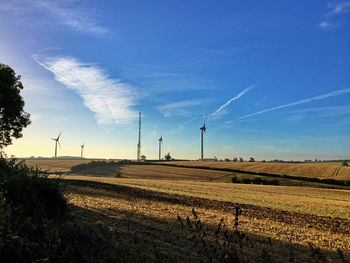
(251, 159)
(240, 159)
(143, 157)
(167, 157)
(345, 163)
(12, 116)
(235, 159)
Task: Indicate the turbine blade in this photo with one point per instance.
(59, 144)
(59, 136)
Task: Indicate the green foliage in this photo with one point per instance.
(31, 191)
(118, 175)
(265, 257)
(251, 159)
(240, 159)
(143, 157)
(12, 116)
(257, 180)
(235, 159)
(167, 157)
(234, 179)
(345, 163)
(246, 181)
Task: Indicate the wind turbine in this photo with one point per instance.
(139, 143)
(57, 140)
(203, 129)
(81, 150)
(160, 147)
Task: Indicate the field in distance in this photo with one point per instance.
(322, 170)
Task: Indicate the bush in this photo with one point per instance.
(234, 179)
(257, 180)
(246, 181)
(345, 163)
(167, 157)
(30, 190)
(274, 182)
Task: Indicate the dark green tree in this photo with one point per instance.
(12, 116)
(167, 157)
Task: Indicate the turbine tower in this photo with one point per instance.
(203, 129)
(160, 147)
(81, 150)
(139, 143)
(57, 140)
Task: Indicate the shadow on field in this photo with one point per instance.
(189, 239)
(335, 225)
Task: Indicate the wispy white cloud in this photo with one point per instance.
(336, 9)
(325, 24)
(215, 114)
(72, 14)
(319, 97)
(330, 111)
(180, 108)
(110, 99)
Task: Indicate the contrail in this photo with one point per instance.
(319, 97)
(229, 101)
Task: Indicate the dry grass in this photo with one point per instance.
(158, 172)
(333, 170)
(55, 165)
(325, 202)
(152, 214)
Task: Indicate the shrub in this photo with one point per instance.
(167, 157)
(345, 163)
(118, 175)
(32, 191)
(234, 179)
(274, 182)
(257, 180)
(246, 181)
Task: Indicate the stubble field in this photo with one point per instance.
(152, 205)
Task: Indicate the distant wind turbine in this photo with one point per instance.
(203, 129)
(139, 143)
(81, 150)
(57, 141)
(160, 147)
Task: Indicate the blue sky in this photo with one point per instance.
(272, 78)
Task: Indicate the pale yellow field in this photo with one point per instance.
(55, 165)
(326, 202)
(333, 170)
(295, 215)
